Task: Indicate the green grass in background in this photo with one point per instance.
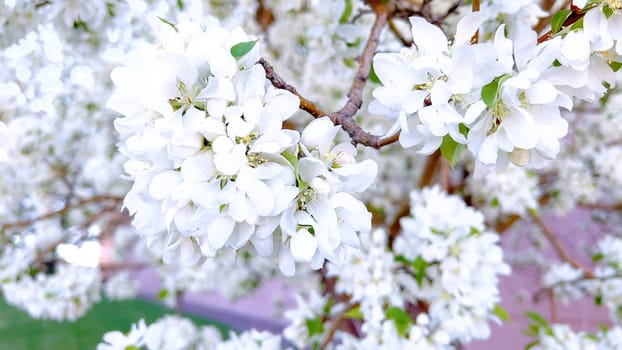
(18, 331)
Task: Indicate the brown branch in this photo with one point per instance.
(427, 178)
(601, 206)
(557, 245)
(335, 326)
(547, 6)
(444, 175)
(345, 115)
(576, 15)
(475, 8)
(553, 305)
(123, 266)
(278, 82)
(63, 210)
(502, 226)
(398, 34)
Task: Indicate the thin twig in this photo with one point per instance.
(66, 208)
(398, 34)
(427, 178)
(345, 115)
(278, 82)
(557, 245)
(475, 8)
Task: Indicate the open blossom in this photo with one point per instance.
(213, 168)
(523, 122)
(424, 87)
(326, 217)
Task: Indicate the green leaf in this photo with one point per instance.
(354, 313)
(615, 66)
(329, 303)
(373, 77)
(241, 49)
(597, 257)
(489, 93)
(293, 160)
(401, 319)
(608, 11)
(598, 300)
(501, 313)
(532, 344)
(494, 202)
(451, 150)
(162, 294)
(314, 326)
(577, 25)
(169, 23)
(531, 331)
(558, 20)
(347, 11)
(537, 319)
(132, 347)
(419, 268)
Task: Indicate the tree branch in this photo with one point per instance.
(66, 208)
(398, 34)
(278, 82)
(557, 245)
(345, 115)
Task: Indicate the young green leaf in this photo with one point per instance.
(451, 150)
(240, 49)
(401, 319)
(501, 313)
(537, 319)
(354, 314)
(314, 326)
(163, 20)
(419, 266)
(489, 93)
(347, 11)
(558, 20)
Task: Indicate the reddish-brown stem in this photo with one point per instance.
(561, 251)
(553, 304)
(602, 206)
(124, 266)
(278, 82)
(427, 178)
(576, 15)
(475, 8)
(396, 31)
(345, 115)
(66, 208)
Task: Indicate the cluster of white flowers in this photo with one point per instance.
(562, 337)
(605, 286)
(501, 98)
(177, 333)
(121, 286)
(444, 258)
(64, 295)
(560, 277)
(212, 166)
(510, 191)
(456, 263)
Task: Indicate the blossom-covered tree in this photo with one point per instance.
(370, 152)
